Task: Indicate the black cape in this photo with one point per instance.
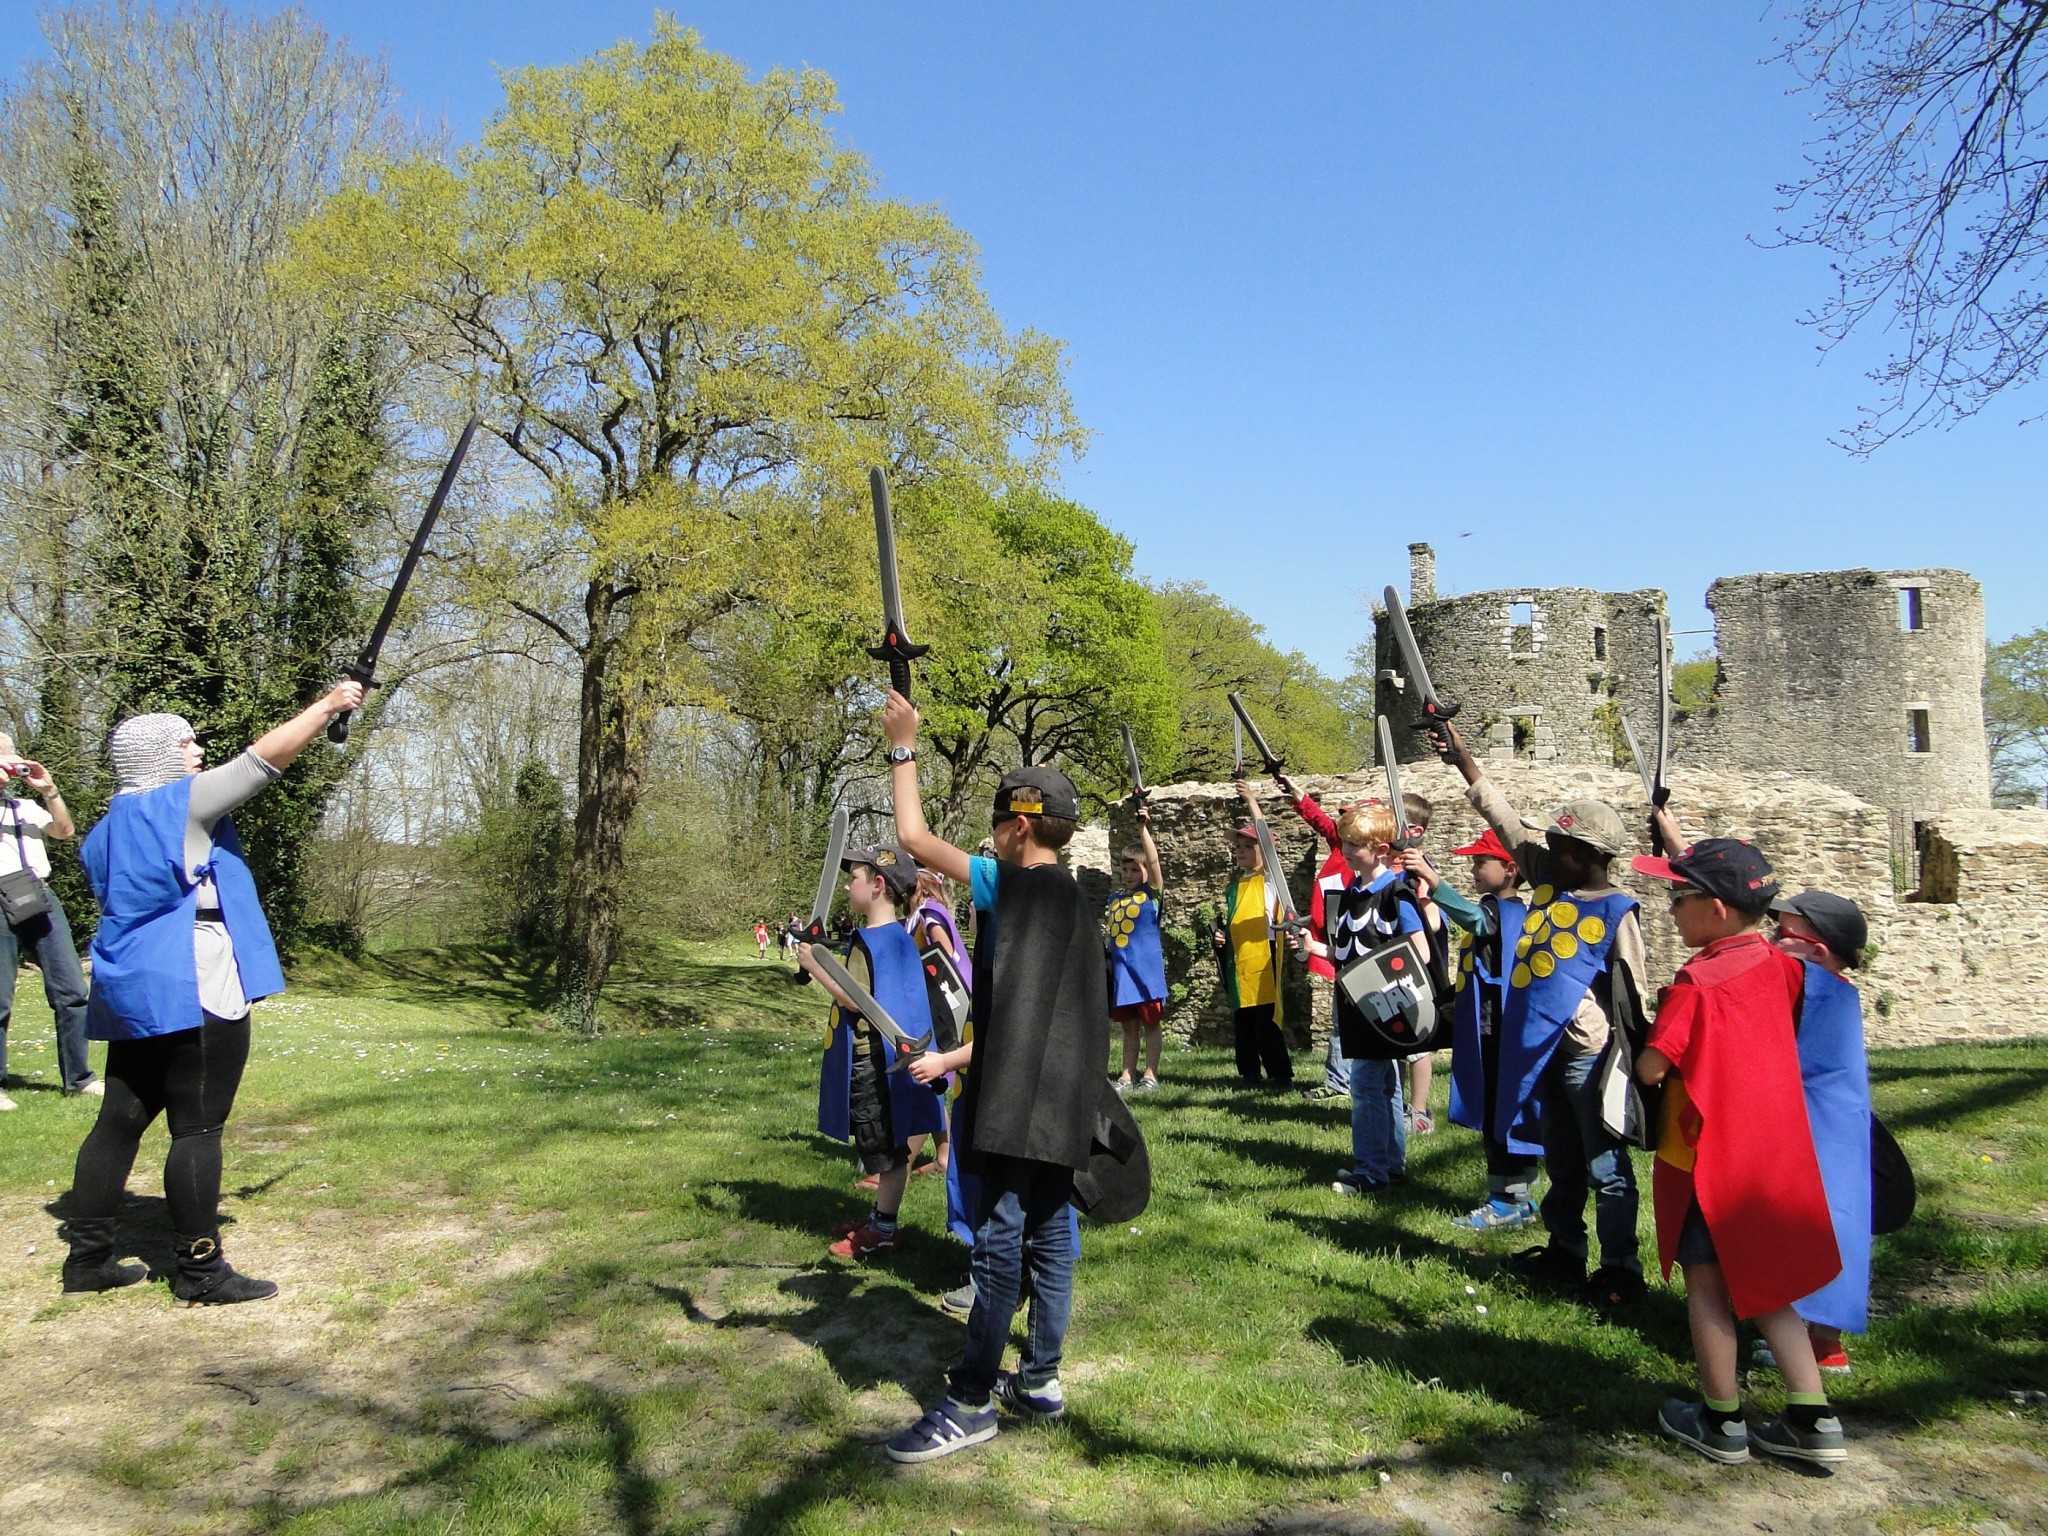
(1041, 1024)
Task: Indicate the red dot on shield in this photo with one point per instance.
(1394, 962)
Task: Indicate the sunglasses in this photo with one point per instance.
(1679, 898)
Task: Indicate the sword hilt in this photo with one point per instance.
(1437, 713)
(337, 728)
(899, 653)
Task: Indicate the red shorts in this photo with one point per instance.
(1140, 1013)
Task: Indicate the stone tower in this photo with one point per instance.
(1543, 672)
(1869, 680)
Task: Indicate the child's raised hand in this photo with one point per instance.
(899, 720)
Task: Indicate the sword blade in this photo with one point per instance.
(903, 1050)
(1663, 705)
(1236, 747)
(885, 548)
(1411, 654)
(1392, 769)
(1643, 764)
(1131, 762)
(828, 877)
(1289, 913)
(1267, 756)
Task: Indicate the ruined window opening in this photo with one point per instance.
(1920, 735)
(1911, 617)
(1522, 628)
(1525, 735)
(1599, 642)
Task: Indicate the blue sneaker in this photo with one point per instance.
(1497, 1216)
(945, 1429)
(1044, 1403)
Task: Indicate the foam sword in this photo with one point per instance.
(1434, 708)
(1392, 769)
(903, 1050)
(896, 647)
(1266, 753)
(828, 886)
(1138, 790)
(364, 668)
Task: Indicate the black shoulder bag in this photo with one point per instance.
(22, 893)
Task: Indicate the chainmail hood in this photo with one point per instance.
(146, 752)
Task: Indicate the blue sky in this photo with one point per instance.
(1335, 277)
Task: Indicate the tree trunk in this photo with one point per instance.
(611, 758)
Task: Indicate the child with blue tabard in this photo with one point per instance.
(1828, 933)
(859, 1098)
(1137, 958)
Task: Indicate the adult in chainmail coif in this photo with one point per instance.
(182, 950)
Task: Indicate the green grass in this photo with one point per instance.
(580, 1287)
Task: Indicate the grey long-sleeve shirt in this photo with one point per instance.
(216, 792)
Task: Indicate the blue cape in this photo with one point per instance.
(1137, 962)
(1470, 1091)
(898, 985)
(1837, 1082)
(1563, 948)
(145, 978)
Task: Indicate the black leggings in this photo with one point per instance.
(190, 1078)
(1261, 1045)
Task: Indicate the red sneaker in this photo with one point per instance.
(871, 1181)
(1835, 1364)
(864, 1241)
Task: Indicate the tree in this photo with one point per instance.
(2016, 718)
(686, 313)
(1929, 185)
(1212, 650)
(193, 456)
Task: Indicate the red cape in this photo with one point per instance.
(1726, 1024)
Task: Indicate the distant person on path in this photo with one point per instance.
(45, 936)
(181, 950)
(1331, 878)
(1246, 937)
(1571, 1022)
(859, 1099)
(761, 941)
(1137, 957)
(1375, 907)
(1489, 928)
(1741, 1205)
(1026, 1120)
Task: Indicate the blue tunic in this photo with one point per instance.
(1563, 949)
(1837, 1082)
(1481, 985)
(145, 978)
(1137, 961)
(898, 985)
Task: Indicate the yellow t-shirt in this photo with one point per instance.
(1251, 943)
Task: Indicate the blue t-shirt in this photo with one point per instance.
(1406, 918)
(982, 875)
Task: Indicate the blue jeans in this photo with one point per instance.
(1023, 1222)
(1379, 1125)
(47, 941)
(1580, 1155)
(1336, 1070)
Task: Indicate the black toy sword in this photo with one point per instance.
(1434, 709)
(364, 668)
(1266, 753)
(895, 648)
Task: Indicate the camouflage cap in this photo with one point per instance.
(1592, 822)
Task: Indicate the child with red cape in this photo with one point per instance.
(1740, 1202)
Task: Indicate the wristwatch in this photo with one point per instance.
(903, 754)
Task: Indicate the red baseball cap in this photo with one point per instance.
(1485, 846)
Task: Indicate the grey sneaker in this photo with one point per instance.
(1822, 1443)
(1322, 1091)
(1148, 1084)
(1716, 1438)
(1497, 1216)
(960, 1302)
(1044, 1403)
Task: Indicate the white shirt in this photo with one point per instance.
(31, 818)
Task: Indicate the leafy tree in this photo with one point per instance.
(1693, 684)
(2016, 718)
(1928, 187)
(194, 454)
(1213, 650)
(519, 852)
(689, 318)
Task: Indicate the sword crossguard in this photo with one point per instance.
(899, 653)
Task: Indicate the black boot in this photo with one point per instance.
(91, 1266)
(205, 1280)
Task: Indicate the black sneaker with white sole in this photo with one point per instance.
(1045, 1403)
(1714, 1436)
(945, 1429)
(1822, 1445)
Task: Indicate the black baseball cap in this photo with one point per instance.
(1837, 919)
(1038, 790)
(897, 868)
(1725, 867)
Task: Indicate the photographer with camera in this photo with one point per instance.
(35, 924)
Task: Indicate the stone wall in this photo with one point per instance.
(1821, 673)
(1976, 967)
(1546, 690)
